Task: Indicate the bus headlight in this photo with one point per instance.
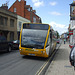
(20, 50)
(44, 52)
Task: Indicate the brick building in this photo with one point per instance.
(20, 8)
(8, 24)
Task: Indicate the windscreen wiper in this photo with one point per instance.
(39, 46)
(28, 46)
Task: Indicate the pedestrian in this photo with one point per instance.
(72, 56)
(64, 41)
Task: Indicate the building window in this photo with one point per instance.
(20, 23)
(1, 20)
(14, 9)
(72, 8)
(34, 19)
(11, 36)
(28, 9)
(11, 23)
(5, 21)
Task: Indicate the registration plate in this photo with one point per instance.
(31, 54)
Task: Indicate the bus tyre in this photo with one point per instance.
(9, 49)
(50, 52)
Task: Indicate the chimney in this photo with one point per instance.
(27, 6)
(22, 0)
(4, 6)
(31, 9)
(34, 11)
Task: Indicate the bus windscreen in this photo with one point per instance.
(32, 38)
(35, 26)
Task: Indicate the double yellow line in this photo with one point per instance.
(41, 69)
(44, 65)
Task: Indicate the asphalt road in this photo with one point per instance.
(15, 64)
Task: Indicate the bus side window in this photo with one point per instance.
(48, 41)
(51, 35)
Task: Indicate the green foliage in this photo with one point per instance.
(57, 35)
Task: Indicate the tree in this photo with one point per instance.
(57, 35)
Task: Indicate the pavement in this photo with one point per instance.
(60, 64)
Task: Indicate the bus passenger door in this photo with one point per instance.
(48, 46)
(50, 39)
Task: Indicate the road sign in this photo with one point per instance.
(71, 32)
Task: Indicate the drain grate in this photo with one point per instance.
(68, 66)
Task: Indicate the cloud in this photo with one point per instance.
(38, 3)
(55, 13)
(35, 1)
(59, 27)
(53, 3)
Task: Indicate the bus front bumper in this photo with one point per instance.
(33, 52)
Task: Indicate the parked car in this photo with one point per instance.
(15, 44)
(72, 56)
(4, 44)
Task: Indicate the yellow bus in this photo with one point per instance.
(37, 40)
